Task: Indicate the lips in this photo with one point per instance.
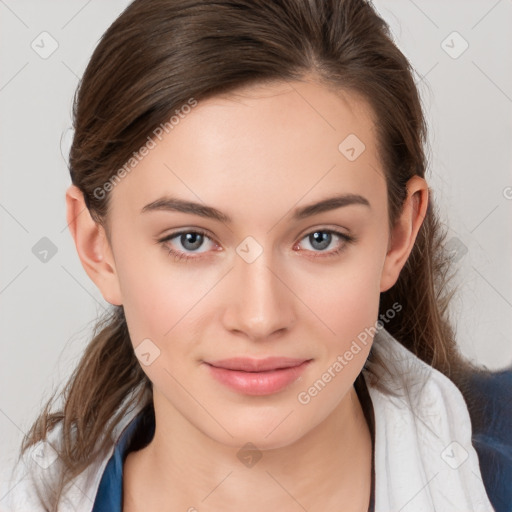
(257, 376)
(256, 365)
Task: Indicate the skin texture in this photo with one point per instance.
(256, 156)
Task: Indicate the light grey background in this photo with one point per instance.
(48, 309)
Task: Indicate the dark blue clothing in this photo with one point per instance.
(136, 435)
(489, 400)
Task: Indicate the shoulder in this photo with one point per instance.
(489, 399)
(17, 491)
(29, 479)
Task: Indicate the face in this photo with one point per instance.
(263, 275)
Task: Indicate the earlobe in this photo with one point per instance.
(92, 246)
(405, 231)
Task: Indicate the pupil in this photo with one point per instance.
(322, 238)
(195, 239)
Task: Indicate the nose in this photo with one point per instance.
(260, 303)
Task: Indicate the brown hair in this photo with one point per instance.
(155, 57)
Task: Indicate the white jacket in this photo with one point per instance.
(424, 458)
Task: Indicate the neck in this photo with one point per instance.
(182, 468)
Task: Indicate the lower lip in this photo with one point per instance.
(258, 383)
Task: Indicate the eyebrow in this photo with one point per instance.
(179, 205)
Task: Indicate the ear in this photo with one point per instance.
(92, 246)
(403, 234)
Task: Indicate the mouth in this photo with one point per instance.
(246, 364)
(257, 376)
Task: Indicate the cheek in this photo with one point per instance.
(162, 299)
(345, 298)
(359, 301)
(151, 300)
(348, 306)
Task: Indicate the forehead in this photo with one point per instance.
(260, 146)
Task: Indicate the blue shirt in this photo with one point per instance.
(489, 401)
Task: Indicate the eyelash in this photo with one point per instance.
(180, 256)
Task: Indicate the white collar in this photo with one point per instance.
(424, 457)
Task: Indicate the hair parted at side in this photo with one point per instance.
(155, 57)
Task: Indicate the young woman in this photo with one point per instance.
(249, 193)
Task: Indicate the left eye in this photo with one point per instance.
(321, 239)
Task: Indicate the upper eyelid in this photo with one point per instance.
(171, 236)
